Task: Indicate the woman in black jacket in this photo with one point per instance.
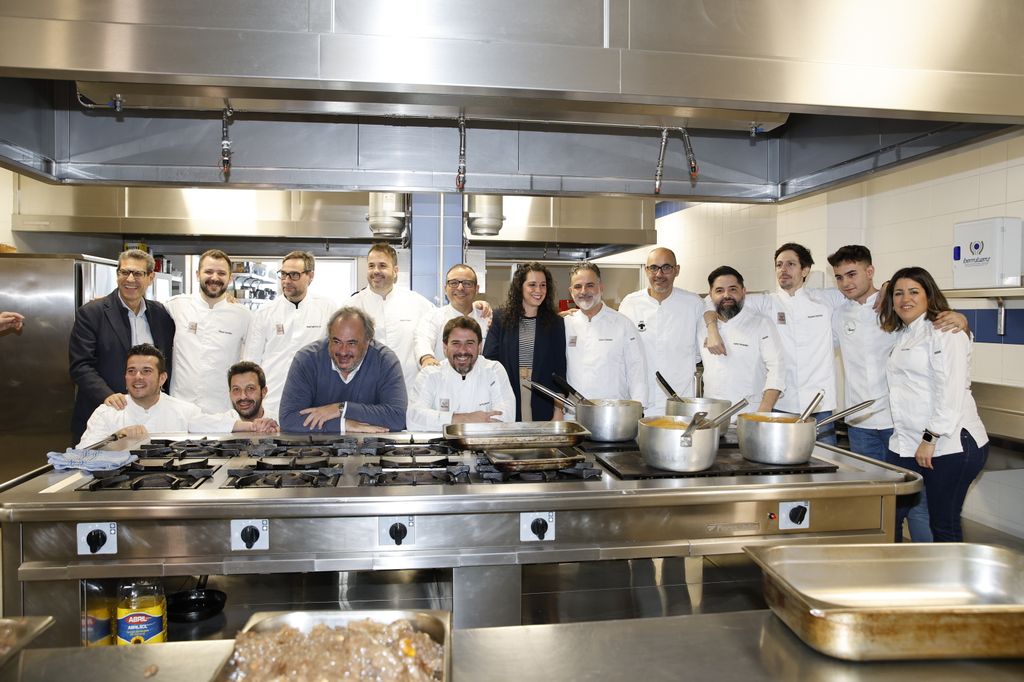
(527, 337)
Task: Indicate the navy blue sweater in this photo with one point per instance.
(376, 395)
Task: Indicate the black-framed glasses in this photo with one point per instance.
(293, 276)
(665, 269)
(464, 283)
(128, 272)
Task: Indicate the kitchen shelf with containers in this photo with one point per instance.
(254, 283)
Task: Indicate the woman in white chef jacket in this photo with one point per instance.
(937, 429)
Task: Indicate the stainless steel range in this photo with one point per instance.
(236, 507)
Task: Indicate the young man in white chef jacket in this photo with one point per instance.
(464, 388)
(209, 334)
(291, 321)
(754, 367)
(668, 320)
(603, 352)
(247, 385)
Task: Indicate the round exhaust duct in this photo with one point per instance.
(387, 214)
(484, 214)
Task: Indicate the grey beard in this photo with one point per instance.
(730, 312)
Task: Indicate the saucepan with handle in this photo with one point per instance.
(607, 420)
(782, 438)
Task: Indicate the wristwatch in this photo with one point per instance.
(929, 436)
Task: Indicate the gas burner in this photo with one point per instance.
(264, 449)
(136, 478)
(312, 461)
(260, 475)
(309, 452)
(189, 448)
(586, 471)
(373, 446)
(162, 464)
(406, 460)
(384, 475)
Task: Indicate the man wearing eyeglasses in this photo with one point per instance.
(396, 312)
(208, 337)
(280, 328)
(460, 286)
(106, 329)
(668, 319)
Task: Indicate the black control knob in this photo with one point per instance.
(398, 531)
(250, 534)
(539, 527)
(798, 513)
(95, 539)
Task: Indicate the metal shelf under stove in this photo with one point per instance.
(630, 465)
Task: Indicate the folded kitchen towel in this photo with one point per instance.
(90, 460)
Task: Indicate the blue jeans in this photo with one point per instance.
(946, 485)
(875, 444)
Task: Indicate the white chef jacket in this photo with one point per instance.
(865, 348)
(754, 362)
(605, 356)
(207, 341)
(221, 422)
(439, 392)
(395, 319)
(168, 415)
(929, 375)
(804, 324)
(429, 332)
(277, 331)
(668, 330)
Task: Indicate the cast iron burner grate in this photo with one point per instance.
(249, 477)
(631, 466)
(311, 459)
(585, 471)
(128, 479)
(391, 473)
(189, 448)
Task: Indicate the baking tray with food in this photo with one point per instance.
(383, 645)
(898, 601)
(526, 434)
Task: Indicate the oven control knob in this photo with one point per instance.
(539, 527)
(797, 514)
(250, 534)
(398, 531)
(96, 539)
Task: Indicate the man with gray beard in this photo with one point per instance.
(753, 365)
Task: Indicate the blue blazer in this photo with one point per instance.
(98, 352)
(548, 358)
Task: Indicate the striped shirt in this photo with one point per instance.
(527, 334)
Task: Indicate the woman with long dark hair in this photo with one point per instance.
(527, 337)
(937, 429)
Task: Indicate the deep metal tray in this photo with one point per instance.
(526, 434)
(898, 601)
(437, 624)
(18, 633)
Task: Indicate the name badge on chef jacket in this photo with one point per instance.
(572, 342)
(781, 317)
(445, 404)
(279, 328)
(851, 327)
(193, 327)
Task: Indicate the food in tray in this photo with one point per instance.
(362, 650)
(667, 423)
(771, 420)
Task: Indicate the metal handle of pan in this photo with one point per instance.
(562, 384)
(668, 387)
(725, 416)
(815, 401)
(544, 390)
(848, 411)
(686, 440)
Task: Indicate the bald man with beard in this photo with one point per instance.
(668, 319)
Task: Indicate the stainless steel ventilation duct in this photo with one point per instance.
(484, 214)
(387, 215)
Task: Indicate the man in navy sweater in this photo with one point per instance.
(346, 383)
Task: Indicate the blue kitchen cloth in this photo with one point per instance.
(90, 460)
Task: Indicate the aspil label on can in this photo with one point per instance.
(141, 626)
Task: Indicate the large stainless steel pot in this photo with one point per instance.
(780, 437)
(607, 420)
(665, 445)
(687, 407)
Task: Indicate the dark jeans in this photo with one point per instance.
(946, 486)
(875, 444)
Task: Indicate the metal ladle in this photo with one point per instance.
(686, 440)
(815, 401)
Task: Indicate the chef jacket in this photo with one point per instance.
(865, 348)
(804, 324)
(207, 341)
(753, 365)
(668, 330)
(221, 422)
(168, 415)
(605, 357)
(929, 375)
(429, 332)
(395, 320)
(277, 331)
(439, 392)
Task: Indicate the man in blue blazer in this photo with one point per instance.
(104, 331)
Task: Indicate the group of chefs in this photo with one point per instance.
(388, 359)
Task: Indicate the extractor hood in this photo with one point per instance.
(577, 98)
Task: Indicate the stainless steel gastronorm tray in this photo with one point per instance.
(19, 633)
(532, 434)
(437, 624)
(898, 601)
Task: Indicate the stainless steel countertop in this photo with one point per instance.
(744, 647)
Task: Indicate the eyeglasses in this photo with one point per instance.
(293, 276)
(665, 269)
(464, 283)
(126, 273)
